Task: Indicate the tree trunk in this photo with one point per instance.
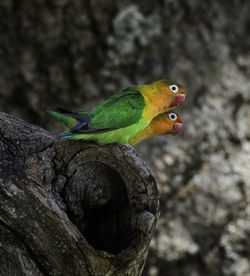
(72, 207)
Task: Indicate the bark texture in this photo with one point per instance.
(72, 208)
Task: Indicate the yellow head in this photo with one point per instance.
(161, 96)
(173, 90)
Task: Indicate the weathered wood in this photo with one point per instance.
(72, 207)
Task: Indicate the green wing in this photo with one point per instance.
(121, 110)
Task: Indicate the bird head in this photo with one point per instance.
(173, 90)
(167, 123)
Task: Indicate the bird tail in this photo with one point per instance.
(69, 135)
(66, 119)
(76, 121)
(70, 119)
(66, 134)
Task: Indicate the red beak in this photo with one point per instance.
(176, 128)
(178, 101)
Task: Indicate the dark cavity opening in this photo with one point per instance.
(98, 204)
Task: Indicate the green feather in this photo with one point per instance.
(66, 119)
(121, 110)
(120, 136)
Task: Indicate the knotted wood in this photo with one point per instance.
(72, 207)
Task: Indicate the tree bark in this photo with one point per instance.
(72, 207)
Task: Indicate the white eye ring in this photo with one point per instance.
(172, 116)
(174, 88)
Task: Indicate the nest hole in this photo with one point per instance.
(98, 204)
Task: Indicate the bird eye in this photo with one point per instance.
(174, 88)
(172, 116)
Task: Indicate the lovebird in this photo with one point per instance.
(124, 114)
(165, 123)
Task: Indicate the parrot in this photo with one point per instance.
(124, 114)
(165, 123)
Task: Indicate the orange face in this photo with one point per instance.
(175, 91)
(166, 123)
(179, 99)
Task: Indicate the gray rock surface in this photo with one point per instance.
(73, 54)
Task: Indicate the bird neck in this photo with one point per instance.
(156, 100)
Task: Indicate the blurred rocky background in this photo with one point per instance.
(74, 54)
